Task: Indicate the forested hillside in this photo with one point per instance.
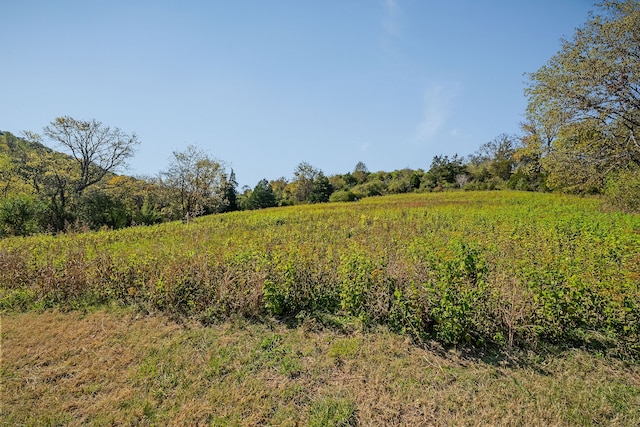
(43, 190)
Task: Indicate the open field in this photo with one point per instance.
(498, 269)
(502, 308)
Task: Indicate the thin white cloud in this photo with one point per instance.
(390, 22)
(438, 107)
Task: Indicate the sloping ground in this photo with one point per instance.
(500, 269)
(114, 367)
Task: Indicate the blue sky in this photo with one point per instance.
(267, 84)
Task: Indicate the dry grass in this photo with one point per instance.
(113, 367)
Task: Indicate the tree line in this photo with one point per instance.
(44, 190)
(580, 136)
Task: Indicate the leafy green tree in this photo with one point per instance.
(303, 183)
(416, 179)
(283, 191)
(230, 192)
(494, 159)
(360, 173)
(98, 209)
(322, 189)
(339, 183)
(262, 196)
(20, 215)
(198, 182)
(583, 113)
(445, 170)
(148, 213)
(400, 181)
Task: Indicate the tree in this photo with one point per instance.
(583, 114)
(8, 169)
(198, 181)
(230, 192)
(19, 215)
(403, 181)
(305, 176)
(262, 196)
(98, 209)
(93, 150)
(96, 149)
(494, 159)
(444, 170)
(322, 189)
(53, 179)
(281, 189)
(360, 172)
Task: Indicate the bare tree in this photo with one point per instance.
(93, 150)
(97, 149)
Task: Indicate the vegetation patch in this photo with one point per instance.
(476, 270)
(116, 367)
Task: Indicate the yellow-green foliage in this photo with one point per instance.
(506, 269)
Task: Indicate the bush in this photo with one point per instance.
(343, 196)
(460, 288)
(296, 283)
(372, 188)
(365, 288)
(19, 216)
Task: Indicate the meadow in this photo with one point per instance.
(341, 287)
(504, 268)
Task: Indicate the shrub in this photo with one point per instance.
(296, 282)
(365, 288)
(460, 288)
(343, 196)
(20, 215)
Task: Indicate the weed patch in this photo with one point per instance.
(479, 270)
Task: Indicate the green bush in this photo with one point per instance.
(410, 312)
(365, 288)
(20, 216)
(368, 189)
(460, 288)
(17, 299)
(296, 283)
(343, 196)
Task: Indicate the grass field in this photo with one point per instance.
(502, 308)
(113, 367)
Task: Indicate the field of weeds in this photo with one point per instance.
(456, 308)
(500, 270)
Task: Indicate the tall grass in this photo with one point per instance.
(504, 269)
